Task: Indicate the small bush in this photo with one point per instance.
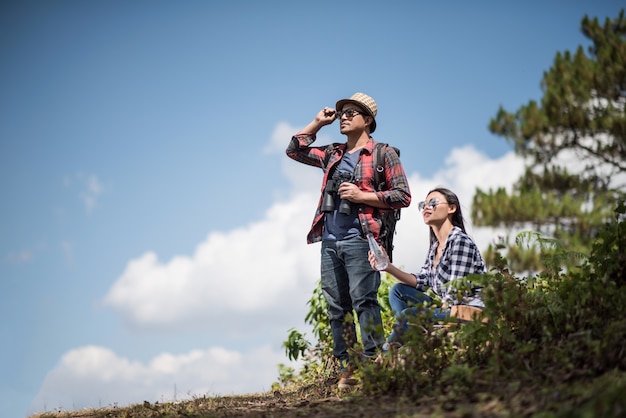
(552, 329)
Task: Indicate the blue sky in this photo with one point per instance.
(152, 230)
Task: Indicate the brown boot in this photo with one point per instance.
(347, 379)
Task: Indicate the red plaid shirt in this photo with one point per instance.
(396, 195)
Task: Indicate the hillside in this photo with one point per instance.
(599, 397)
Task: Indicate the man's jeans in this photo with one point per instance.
(407, 301)
(349, 282)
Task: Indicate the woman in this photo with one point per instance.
(452, 255)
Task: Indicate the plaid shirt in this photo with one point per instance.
(396, 195)
(460, 258)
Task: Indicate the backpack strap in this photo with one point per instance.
(379, 164)
(388, 218)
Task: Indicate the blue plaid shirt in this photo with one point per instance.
(460, 258)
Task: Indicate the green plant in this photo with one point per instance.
(547, 330)
(318, 361)
(548, 335)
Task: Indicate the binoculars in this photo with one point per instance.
(330, 192)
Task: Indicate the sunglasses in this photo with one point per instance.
(349, 113)
(431, 204)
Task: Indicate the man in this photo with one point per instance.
(348, 209)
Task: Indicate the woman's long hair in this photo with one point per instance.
(457, 216)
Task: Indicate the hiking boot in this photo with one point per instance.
(347, 380)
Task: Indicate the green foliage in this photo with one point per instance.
(317, 358)
(604, 399)
(581, 117)
(296, 345)
(583, 98)
(557, 330)
(286, 375)
(543, 331)
(318, 316)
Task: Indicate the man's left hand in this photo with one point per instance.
(349, 191)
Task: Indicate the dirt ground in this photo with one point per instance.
(352, 406)
(294, 404)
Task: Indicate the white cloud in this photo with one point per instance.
(93, 377)
(580, 162)
(92, 192)
(265, 269)
(465, 170)
(261, 273)
(278, 141)
(281, 135)
(91, 186)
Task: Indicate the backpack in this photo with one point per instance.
(391, 216)
(388, 217)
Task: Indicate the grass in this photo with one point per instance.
(602, 396)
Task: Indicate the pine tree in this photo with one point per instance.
(574, 142)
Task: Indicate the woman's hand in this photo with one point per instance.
(372, 260)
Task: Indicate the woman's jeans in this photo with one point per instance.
(349, 282)
(407, 301)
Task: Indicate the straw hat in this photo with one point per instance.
(362, 100)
